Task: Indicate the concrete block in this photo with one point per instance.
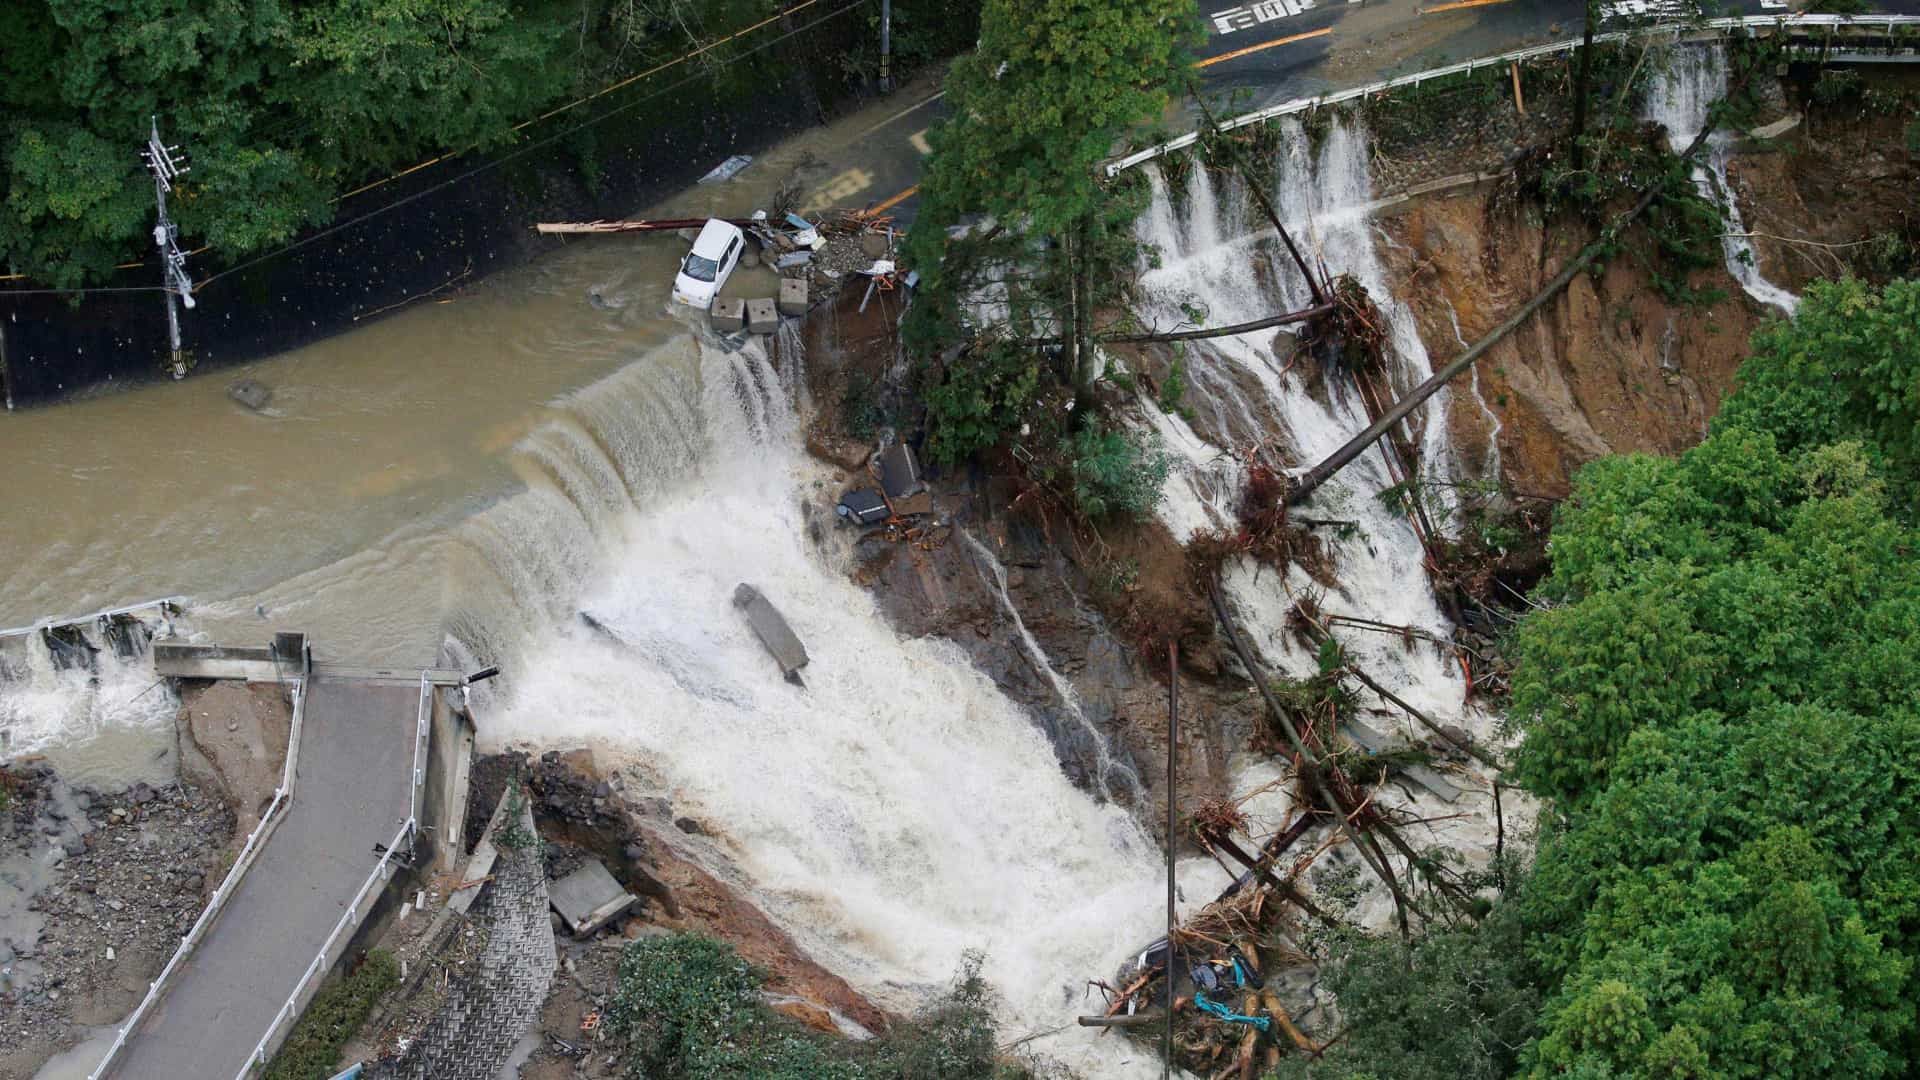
(589, 898)
(875, 245)
(729, 313)
(772, 630)
(793, 296)
(762, 316)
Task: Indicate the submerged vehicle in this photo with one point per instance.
(716, 251)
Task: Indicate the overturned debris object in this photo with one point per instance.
(251, 393)
(589, 898)
(862, 507)
(772, 630)
(1374, 742)
(727, 169)
(897, 471)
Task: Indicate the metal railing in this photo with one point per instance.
(1298, 105)
(44, 623)
(256, 840)
(403, 841)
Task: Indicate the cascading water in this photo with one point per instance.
(1107, 772)
(91, 684)
(1694, 78)
(892, 814)
(1210, 258)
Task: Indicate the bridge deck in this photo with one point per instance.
(351, 792)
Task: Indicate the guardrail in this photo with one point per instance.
(256, 840)
(42, 624)
(1298, 105)
(349, 919)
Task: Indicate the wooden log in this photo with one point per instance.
(578, 228)
(1339, 459)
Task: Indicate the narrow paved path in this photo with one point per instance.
(351, 792)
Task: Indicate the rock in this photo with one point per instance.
(75, 846)
(142, 794)
(251, 393)
(809, 1014)
(602, 789)
(116, 905)
(848, 454)
(689, 826)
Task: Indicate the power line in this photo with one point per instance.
(287, 126)
(517, 153)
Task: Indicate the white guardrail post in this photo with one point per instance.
(1783, 22)
(224, 891)
(383, 870)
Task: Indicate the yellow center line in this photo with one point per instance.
(1238, 53)
(1457, 5)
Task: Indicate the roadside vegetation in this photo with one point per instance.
(285, 107)
(312, 1051)
(689, 1007)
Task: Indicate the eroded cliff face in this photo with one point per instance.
(1608, 367)
(1611, 366)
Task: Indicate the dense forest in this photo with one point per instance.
(1717, 701)
(285, 106)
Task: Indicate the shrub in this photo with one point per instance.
(983, 398)
(1113, 472)
(313, 1050)
(689, 1006)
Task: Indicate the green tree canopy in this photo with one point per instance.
(1046, 96)
(1718, 706)
(278, 103)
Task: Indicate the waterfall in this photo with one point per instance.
(894, 813)
(88, 682)
(1694, 78)
(1234, 269)
(1105, 768)
(1490, 468)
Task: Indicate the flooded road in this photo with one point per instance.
(335, 510)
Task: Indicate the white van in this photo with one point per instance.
(716, 251)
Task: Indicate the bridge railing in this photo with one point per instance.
(256, 840)
(1720, 26)
(401, 847)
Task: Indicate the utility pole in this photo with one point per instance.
(1173, 918)
(886, 46)
(166, 163)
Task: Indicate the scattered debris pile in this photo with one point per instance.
(96, 890)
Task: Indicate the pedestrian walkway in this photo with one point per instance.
(351, 793)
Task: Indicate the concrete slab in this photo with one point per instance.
(762, 316)
(793, 296)
(729, 313)
(356, 756)
(772, 630)
(589, 898)
(1373, 742)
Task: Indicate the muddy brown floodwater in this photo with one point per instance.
(334, 509)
